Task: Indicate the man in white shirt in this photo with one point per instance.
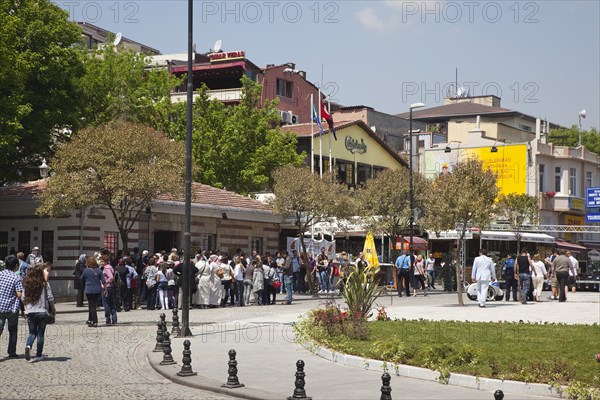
(572, 280)
(483, 271)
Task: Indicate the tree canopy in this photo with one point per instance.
(518, 210)
(570, 137)
(307, 199)
(120, 165)
(384, 203)
(235, 147)
(39, 69)
(460, 200)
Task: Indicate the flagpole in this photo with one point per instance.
(320, 140)
(312, 135)
(330, 133)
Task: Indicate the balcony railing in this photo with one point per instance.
(224, 95)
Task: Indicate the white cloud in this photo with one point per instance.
(370, 20)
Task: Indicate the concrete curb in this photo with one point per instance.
(467, 381)
(201, 382)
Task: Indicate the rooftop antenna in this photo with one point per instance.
(217, 46)
(456, 82)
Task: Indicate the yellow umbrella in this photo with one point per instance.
(369, 250)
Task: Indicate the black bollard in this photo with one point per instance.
(498, 395)
(175, 330)
(186, 367)
(299, 392)
(232, 380)
(386, 389)
(159, 337)
(167, 357)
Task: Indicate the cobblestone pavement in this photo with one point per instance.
(92, 363)
(110, 362)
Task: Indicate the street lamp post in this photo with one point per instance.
(582, 114)
(410, 168)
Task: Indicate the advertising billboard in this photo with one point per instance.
(509, 164)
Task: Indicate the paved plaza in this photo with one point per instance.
(114, 362)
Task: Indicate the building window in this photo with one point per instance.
(24, 243)
(3, 245)
(557, 179)
(364, 173)
(257, 244)
(111, 242)
(588, 179)
(573, 182)
(542, 178)
(284, 88)
(524, 128)
(48, 246)
(210, 242)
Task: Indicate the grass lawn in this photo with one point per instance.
(541, 353)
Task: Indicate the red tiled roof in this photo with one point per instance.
(24, 189)
(304, 131)
(201, 194)
(204, 194)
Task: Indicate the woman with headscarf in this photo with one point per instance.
(79, 267)
(258, 276)
(216, 289)
(203, 275)
(38, 301)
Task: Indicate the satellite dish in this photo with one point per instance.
(459, 92)
(118, 39)
(582, 113)
(217, 46)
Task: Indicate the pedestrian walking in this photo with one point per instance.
(38, 303)
(79, 267)
(11, 290)
(482, 273)
(92, 281)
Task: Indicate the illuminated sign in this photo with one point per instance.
(354, 146)
(232, 55)
(509, 164)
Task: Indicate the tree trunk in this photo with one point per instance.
(125, 241)
(459, 269)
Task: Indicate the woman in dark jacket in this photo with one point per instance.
(79, 267)
(93, 282)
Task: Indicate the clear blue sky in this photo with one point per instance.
(542, 57)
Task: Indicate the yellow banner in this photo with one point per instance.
(369, 250)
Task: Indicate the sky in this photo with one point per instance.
(541, 57)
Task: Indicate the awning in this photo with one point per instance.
(201, 67)
(563, 244)
(525, 237)
(418, 243)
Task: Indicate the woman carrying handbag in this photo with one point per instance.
(39, 309)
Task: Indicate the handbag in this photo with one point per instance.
(276, 284)
(50, 311)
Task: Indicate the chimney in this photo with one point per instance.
(302, 74)
(538, 129)
(291, 65)
(477, 132)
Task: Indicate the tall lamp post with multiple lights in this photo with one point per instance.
(410, 168)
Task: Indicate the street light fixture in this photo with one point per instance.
(44, 169)
(410, 167)
(582, 114)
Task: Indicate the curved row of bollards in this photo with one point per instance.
(163, 344)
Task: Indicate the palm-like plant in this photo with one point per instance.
(361, 291)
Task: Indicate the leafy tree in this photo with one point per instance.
(119, 85)
(307, 199)
(234, 147)
(570, 137)
(119, 165)
(461, 200)
(39, 67)
(385, 200)
(518, 210)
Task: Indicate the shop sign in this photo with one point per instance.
(353, 145)
(575, 203)
(576, 220)
(232, 55)
(449, 235)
